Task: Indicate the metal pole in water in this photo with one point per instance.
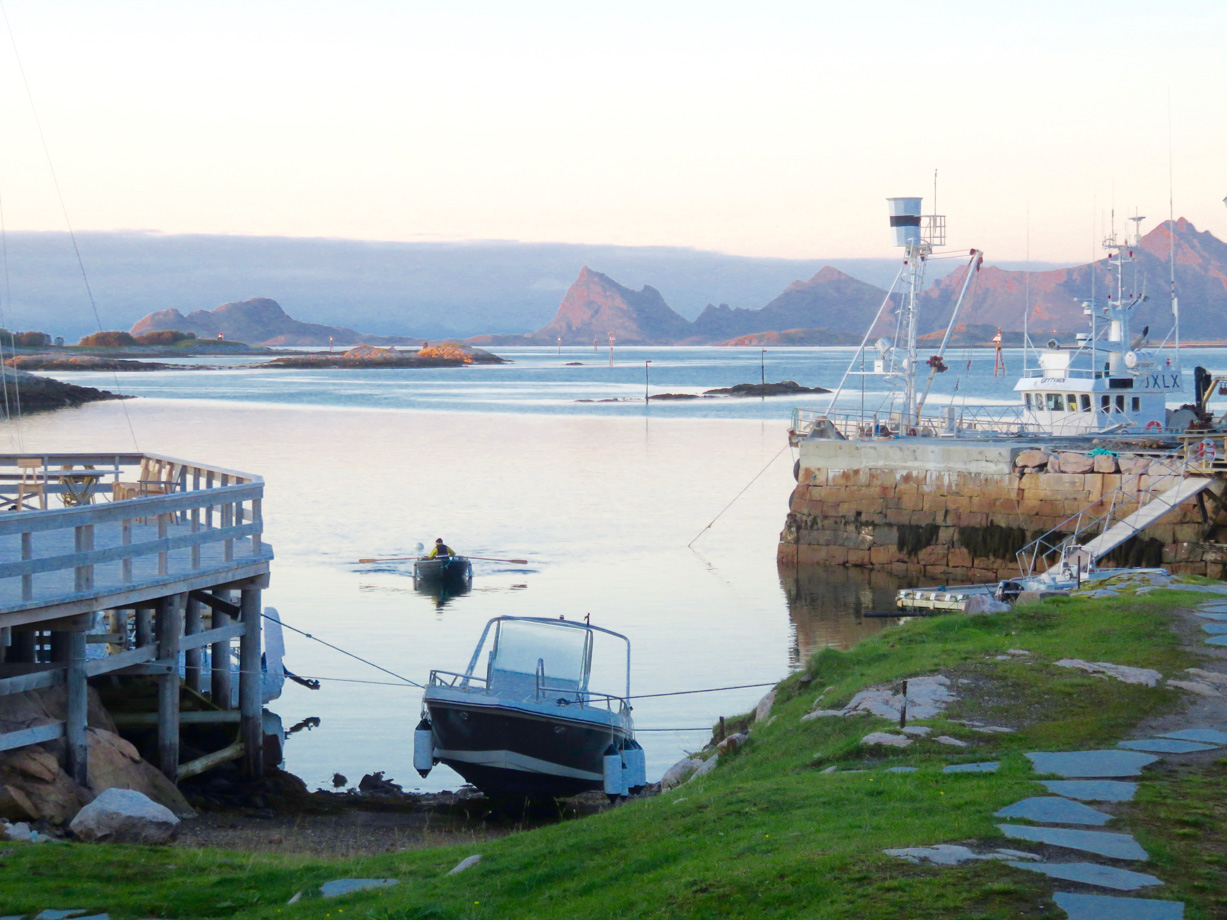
(645, 380)
(762, 367)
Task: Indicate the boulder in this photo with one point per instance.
(732, 742)
(1105, 463)
(763, 709)
(1032, 459)
(15, 805)
(984, 603)
(706, 767)
(125, 816)
(821, 714)
(115, 763)
(679, 773)
(35, 773)
(1071, 462)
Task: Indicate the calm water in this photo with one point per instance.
(601, 498)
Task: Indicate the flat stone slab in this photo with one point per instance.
(1101, 843)
(1090, 763)
(1145, 677)
(1054, 810)
(1215, 629)
(1103, 907)
(1165, 746)
(1218, 617)
(901, 770)
(1205, 735)
(1092, 874)
(1093, 790)
(342, 886)
(987, 767)
(59, 914)
(886, 739)
(1217, 640)
(947, 854)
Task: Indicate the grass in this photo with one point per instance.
(768, 834)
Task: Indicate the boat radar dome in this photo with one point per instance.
(905, 220)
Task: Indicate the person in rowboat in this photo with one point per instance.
(440, 549)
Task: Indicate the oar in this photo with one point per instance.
(415, 558)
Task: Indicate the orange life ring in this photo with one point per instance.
(1154, 425)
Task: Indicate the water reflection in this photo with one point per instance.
(827, 607)
(442, 592)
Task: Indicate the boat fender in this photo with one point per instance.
(614, 785)
(636, 766)
(423, 748)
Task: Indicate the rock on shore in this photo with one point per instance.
(42, 394)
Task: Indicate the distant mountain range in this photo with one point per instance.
(428, 289)
(832, 307)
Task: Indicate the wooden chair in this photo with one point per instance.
(156, 477)
(33, 481)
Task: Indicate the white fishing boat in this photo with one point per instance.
(530, 725)
(1108, 380)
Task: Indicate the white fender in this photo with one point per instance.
(614, 781)
(636, 769)
(423, 748)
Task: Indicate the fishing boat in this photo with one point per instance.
(445, 571)
(530, 725)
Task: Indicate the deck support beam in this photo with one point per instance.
(76, 726)
(169, 626)
(219, 657)
(251, 728)
(192, 675)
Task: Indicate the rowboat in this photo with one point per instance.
(531, 726)
(450, 571)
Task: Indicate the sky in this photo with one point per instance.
(772, 129)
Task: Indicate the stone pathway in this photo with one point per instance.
(1059, 820)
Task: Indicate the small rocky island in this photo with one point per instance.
(447, 354)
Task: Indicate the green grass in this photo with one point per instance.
(767, 834)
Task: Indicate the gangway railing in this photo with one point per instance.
(1181, 474)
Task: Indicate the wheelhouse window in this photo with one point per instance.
(1054, 402)
(1071, 402)
(1120, 403)
(1086, 402)
(1137, 404)
(1027, 400)
(1105, 402)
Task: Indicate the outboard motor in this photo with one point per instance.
(423, 747)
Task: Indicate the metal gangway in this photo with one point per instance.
(1175, 477)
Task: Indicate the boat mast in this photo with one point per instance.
(917, 236)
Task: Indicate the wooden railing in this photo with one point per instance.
(207, 520)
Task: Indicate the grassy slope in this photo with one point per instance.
(767, 834)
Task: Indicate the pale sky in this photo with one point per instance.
(766, 129)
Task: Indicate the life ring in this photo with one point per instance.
(1204, 450)
(1154, 425)
(911, 432)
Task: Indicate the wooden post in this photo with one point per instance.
(170, 626)
(251, 729)
(219, 655)
(192, 675)
(144, 627)
(77, 723)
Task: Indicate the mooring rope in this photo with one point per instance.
(337, 648)
(738, 495)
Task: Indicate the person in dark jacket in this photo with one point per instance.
(440, 549)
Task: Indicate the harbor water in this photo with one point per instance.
(610, 503)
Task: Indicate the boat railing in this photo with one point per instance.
(541, 690)
(954, 421)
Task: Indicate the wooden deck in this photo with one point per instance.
(153, 540)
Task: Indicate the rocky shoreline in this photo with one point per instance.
(42, 394)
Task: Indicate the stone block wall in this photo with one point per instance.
(947, 526)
